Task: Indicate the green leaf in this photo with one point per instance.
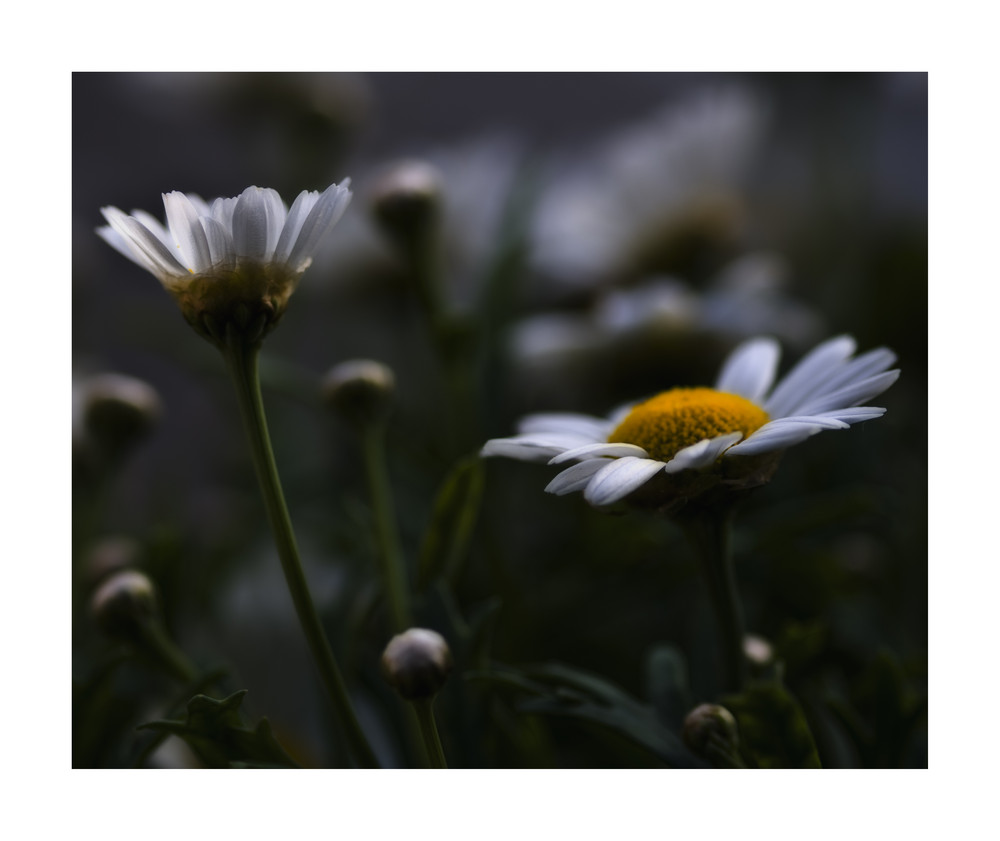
(667, 685)
(218, 734)
(774, 732)
(556, 689)
(456, 508)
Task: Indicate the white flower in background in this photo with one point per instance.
(747, 298)
(703, 436)
(212, 256)
(681, 170)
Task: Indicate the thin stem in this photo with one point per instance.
(711, 534)
(428, 729)
(394, 573)
(242, 362)
(157, 643)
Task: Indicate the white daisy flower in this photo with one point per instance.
(698, 437)
(211, 256)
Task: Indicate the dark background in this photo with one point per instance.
(831, 556)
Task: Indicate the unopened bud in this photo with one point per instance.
(406, 200)
(416, 663)
(118, 411)
(710, 731)
(758, 651)
(360, 390)
(111, 555)
(125, 604)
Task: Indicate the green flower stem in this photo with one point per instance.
(242, 362)
(157, 643)
(428, 729)
(394, 573)
(711, 534)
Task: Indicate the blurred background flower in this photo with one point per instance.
(598, 237)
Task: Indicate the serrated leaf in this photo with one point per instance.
(216, 731)
(456, 508)
(774, 732)
(557, 689)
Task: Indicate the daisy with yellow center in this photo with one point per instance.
(705, 435)
(232, 262)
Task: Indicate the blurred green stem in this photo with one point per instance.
(428, 729)
(391, 555)
(158, 644)
(710, 532)
(241, 360)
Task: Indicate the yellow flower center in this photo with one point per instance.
(678, 418)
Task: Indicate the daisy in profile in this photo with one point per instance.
(686, 442)
(693, 452)
(231, 265)
(233, 262)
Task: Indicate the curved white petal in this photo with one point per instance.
(524, 448)
(814, 369)
(250, 224)
(324, 215)
(220, 241)
(303, 204)
(144, 244)
(703, 453)
(156, 226)
(222, 212)
(749, 370)
(850, 395)
(121, 245)
(276, 212)
(619, 478)
(187, 232)
(614, 450)
(585, 426)
(576, 477)
(775, 436)
(854, 414)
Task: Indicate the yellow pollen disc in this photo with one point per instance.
(678, 418)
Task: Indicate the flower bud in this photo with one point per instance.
(407, 200)
(360, 390)
(118, 411)
(710, 731)
(125, 604)
(111, 555)
(416, 663)
(758, 651)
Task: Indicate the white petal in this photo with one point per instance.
(812, 370)
(868, 364)
(187, 232)
(619, 478)
(156, 226)
(854, 414)
(250, 224)
(325, 213)
(615, 450)
(303, 204)
(220, 241)
(827, 421)
(774, 436)
(222, 212)
(144, 244)
(276, 213)
(585, 426)
(749, 370)
(576, 477)
(850, 395)
(523, 448)
(703, 453)
(121, 245)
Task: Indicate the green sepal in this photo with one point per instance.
(774, 732)
(556, 689)
(456, 508)
(218, 734)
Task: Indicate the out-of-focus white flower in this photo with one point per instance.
(747, 298)
(706, 433)
(681, 170)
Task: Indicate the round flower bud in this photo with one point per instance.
(360, 390)
(758, 650)
(124, 604)
(118, 411)
(710, 731)
(407, 199)
(111, 555)
(416, 663)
